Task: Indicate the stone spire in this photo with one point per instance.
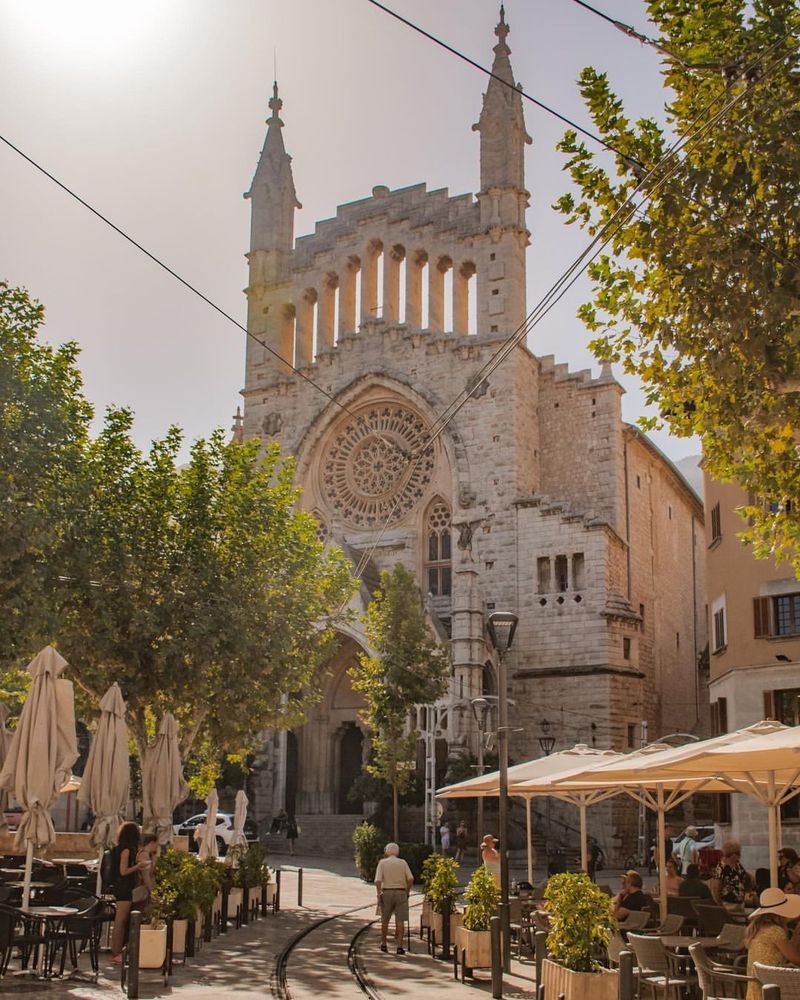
(502, 123)
(272, 192)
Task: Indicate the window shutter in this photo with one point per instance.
(769, 705)
(761, 617)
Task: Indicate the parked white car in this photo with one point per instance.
(224, 830)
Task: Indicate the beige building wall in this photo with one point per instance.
(754, 653)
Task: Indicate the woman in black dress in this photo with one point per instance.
(291, 831)
(126, 877)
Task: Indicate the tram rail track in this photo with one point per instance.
(280, 983)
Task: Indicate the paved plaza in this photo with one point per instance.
(241, 964)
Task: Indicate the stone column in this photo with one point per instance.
(347, 296)
(436, 294)
(461, 298)
(369, 280)
(414, 265)
(326, 311)
(304, 341)
(391, 283)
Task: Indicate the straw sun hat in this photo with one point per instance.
(776, 901)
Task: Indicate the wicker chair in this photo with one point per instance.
(636, 920)
(672, 924)
(787, 979)
(717, 982)
(659, 968)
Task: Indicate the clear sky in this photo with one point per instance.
(154, 112)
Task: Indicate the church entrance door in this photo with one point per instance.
(351, 748)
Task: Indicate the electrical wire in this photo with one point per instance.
(599, 242)
(476, 65)
(179, 277)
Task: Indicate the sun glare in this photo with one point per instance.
(85, 30)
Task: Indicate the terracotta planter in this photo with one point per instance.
(152, 947)
(602, 985)
(271, 890)
(179, 928)
(476, 947)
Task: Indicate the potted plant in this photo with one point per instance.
(233, 860)
(473, 937)
(429, 866)
(153, 934)
(580, 923)
(442, 893)
(179, 876)
(249, 875)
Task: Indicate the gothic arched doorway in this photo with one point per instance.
(290, 802)
(351, 750)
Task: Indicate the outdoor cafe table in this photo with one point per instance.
(676, 942)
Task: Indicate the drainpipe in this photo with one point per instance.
(627, 509)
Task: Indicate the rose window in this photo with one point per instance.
(376, 468)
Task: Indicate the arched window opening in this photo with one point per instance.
(438, 564)
(326, 312)
(402, 291)
(424, 297)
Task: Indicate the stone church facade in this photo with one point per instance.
(534, 497)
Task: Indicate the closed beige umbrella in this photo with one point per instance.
(43, 749)
(208, 830)
(163, 784)
(239, 816)
(5, 743)
(106, 778)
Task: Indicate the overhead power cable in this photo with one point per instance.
(483, 69)
(613, 225)
(179, 277)
(726, 68)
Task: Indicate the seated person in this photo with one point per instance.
(631, 897)
(693, 885)
(731, 883)
(673, 879)
(788, 870)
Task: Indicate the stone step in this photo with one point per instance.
(319, 834)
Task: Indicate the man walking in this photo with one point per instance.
(393, 882)
(686, 852)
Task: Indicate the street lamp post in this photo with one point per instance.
(546, 744)
(480, 706)
(501, 627)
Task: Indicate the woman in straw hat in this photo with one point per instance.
(767, 937)
(491, 856)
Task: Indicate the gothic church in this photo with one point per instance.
(536, 497)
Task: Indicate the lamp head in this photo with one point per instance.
(501, 626)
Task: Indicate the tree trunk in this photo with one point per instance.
(396, 814)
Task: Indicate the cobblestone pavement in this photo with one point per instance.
(240, 964)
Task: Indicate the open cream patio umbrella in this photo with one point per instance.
(208, 830)
(5, 743)
(163, 785)
(42, 751)
(106, 777)
(652, 775)
(488, 785)
(238, 837)
(765, 768)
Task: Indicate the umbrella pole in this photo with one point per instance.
(530, 837)
(26, 885)
(662, 854)
(774, 826)
(99, 886)
(584, 846)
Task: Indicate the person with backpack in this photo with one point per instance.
(125, 878)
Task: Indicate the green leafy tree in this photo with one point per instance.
(409, 667)
(202, 589)
(700, 296)
(44, 421)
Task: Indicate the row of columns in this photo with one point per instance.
(297, 322)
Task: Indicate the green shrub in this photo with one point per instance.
(368, 842)
(482, 898)
(415, 856)
(580, 921)
(443, 885)
(250, 870)
(429, 866)
(184, 883)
